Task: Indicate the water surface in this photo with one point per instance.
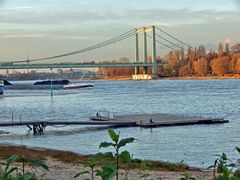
(195, 144)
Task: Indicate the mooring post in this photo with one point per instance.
(34, 129)
(20, 118)
(12, 117)
(51, 84)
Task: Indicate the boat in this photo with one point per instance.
(48, 84)
(53, 82)
(1, 87)
(74, 85)
(45, 84)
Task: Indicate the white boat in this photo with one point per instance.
(74, 85)
(1, 87)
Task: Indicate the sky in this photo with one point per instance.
(43, 28)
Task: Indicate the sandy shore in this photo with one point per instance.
(62, 165)
(63, 171)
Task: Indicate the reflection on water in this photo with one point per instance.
(193, 144)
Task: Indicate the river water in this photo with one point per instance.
(196, 145)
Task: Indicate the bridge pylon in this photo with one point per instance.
(144, 31)
(136, 51)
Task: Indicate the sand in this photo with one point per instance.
(63, 171)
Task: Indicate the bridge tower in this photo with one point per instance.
(145, 69)
(136, 51)
(144, 31)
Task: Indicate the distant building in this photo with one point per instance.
(236, 48)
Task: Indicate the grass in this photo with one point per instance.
(70, 157)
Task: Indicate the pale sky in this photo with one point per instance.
(40, 28)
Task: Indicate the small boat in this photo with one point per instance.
(74, 85)
(1, 87)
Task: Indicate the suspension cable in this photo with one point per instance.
(90, 48)
(162, 43)
(174, 37)
(170, 42)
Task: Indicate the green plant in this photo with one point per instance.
(144, 167)
(6, 173)
(225, 169)
(11, 171)
(186, 176)
(92, 164)
(110, 169)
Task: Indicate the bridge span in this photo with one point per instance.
(75, 65)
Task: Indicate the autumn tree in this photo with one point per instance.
(220, 66)
(186, 70)
(235, 63)
(201, 67)
(172, 65)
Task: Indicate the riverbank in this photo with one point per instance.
(64, 165)
(230, 76)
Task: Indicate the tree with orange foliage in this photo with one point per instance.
(220, 66)
(185, 70)
(201, 67)
(235, 63)
(172, 66)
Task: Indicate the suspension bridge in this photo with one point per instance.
(155, 34)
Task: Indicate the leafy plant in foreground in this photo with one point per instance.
(92, 164)
(225, 169)
(11, 171)
(110, 169)
(6, 173)
(186, 176)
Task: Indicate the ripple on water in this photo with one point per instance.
(193, 144)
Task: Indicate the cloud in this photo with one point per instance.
(26, 15)
(181, 15)
(32, 16)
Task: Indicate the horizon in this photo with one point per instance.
(45, 28)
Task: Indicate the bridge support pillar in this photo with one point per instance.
(144, 50)
(136, 51)
(154, 61)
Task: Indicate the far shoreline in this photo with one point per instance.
(127, 78)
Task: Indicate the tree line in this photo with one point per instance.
(190, 62)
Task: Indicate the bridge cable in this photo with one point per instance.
(163, 43)
(174, 38)
(170, 42)
(90, 48)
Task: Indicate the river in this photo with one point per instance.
(196, 145)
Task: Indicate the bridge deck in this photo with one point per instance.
(74, 65)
